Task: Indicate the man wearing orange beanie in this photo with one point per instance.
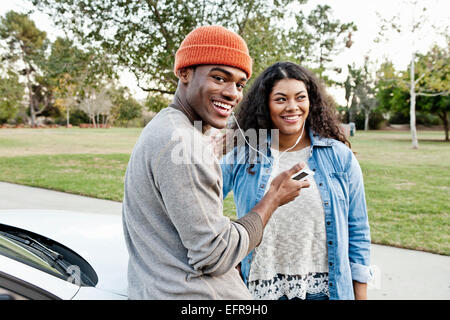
(180, 244)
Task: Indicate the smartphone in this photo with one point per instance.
(305, 173)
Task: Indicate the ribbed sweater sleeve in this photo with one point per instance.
(253, 224)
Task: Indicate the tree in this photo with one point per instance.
(360, 92)
(66, 69)
(366, 92)
(431, 90)
(367, 101)
(156, 102)
(125, 107)
(320, 38)
(11, 95)
(66, 97)
(262, 37)
(144, 35)
(413, 30)
(69, 69)
(96, 102)
(26, 46)
(434, 83)
(351, 83)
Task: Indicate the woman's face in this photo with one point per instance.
(289, 106)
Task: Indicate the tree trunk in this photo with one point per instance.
(444, 119)
(32, 113)
(412, 110)
(366, 119)
(30, 95)
(68, 117)
(352, 110)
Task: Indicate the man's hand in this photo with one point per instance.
(282, 190)
(286, 189)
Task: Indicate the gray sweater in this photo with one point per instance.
(181, 246)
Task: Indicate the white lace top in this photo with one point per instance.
(292, 257)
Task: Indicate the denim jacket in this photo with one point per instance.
(340, 183)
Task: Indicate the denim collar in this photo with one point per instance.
(318, 141)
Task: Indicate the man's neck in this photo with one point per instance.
(181, 105)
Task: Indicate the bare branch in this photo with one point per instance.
(444, 93)
(418, 79)
(149, 89)
(394, 80)
(156, 90)
(41, 110)
(154, 7)
(244, 22)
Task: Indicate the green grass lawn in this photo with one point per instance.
(407, 190)
(95, 175)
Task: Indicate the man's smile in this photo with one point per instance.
(222, 108)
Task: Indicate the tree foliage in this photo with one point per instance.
(433, 69)
(125, 107)
(69, 70)
(11, 95)
(156, 102)
(144, 35)
(97, 102)
(432, 73)
(26, 46)
(55, 74)
(360, 92)
(317, 38)
(414, 31)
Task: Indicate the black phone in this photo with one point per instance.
(302, 174)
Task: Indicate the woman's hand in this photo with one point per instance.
(360, 290)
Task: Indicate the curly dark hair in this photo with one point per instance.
(253, 111)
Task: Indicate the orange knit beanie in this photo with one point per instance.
(213, 45)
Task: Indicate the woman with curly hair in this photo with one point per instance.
(317, 246)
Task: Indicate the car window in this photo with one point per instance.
(14, 251)
(6, 294)
(46, 255)
(12, 288)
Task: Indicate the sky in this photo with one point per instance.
(397, 48)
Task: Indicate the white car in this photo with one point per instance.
(62, 255)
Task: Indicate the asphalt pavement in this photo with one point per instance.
(399, 274)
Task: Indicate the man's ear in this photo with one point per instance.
(185, 74)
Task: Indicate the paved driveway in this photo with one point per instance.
(399, 273)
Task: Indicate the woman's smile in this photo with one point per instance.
(292, 119)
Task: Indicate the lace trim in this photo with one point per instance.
(289, 285)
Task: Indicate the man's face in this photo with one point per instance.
(213, 91)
